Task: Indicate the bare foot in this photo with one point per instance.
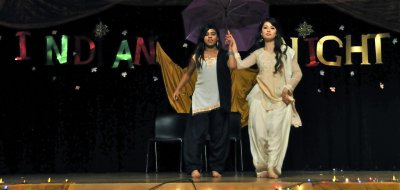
(262, 174)
(272, 174)
(196, 174)
(216, 174)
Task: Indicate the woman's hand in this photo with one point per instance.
(286, 96)
(231, 42)
(176, 94)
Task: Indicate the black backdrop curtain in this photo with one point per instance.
(48, 125)
(40, 13)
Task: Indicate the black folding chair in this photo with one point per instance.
(169, 127)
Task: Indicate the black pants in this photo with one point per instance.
(215, 123)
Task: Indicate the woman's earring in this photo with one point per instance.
(217, 43)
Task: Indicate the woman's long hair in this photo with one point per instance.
(278, 42)
(199, 52)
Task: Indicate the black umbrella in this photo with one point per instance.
(240, 17)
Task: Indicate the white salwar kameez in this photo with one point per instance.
(206, 95)
(269, 117)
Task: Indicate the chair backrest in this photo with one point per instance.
(170, 125)
(235, 125)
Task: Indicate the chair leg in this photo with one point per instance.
(147, 156)
(155, 152)
(181, 157)
(241, 154)
(235, 141)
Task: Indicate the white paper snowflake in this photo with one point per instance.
(125, 32)
(341, 27)
(304, 29)
(185, 45)
(322, 72)
(94, 69)
(351, 73)
(394, 41)
(124, 74)
(155, 78)
(101, 30)
(77, 87)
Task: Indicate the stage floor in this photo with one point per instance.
(303, 180)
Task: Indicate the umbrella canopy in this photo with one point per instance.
(240, 17)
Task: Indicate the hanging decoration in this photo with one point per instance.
(124, 53)
(22, 45)
(394, 41)
(101, 30)
(52, 47)
(124, 74)
(78, 51)
(304, 29)
(311, 46)
(141, 48)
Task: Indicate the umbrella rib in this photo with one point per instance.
(237, 7)
(192, 32)
(232, 11)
